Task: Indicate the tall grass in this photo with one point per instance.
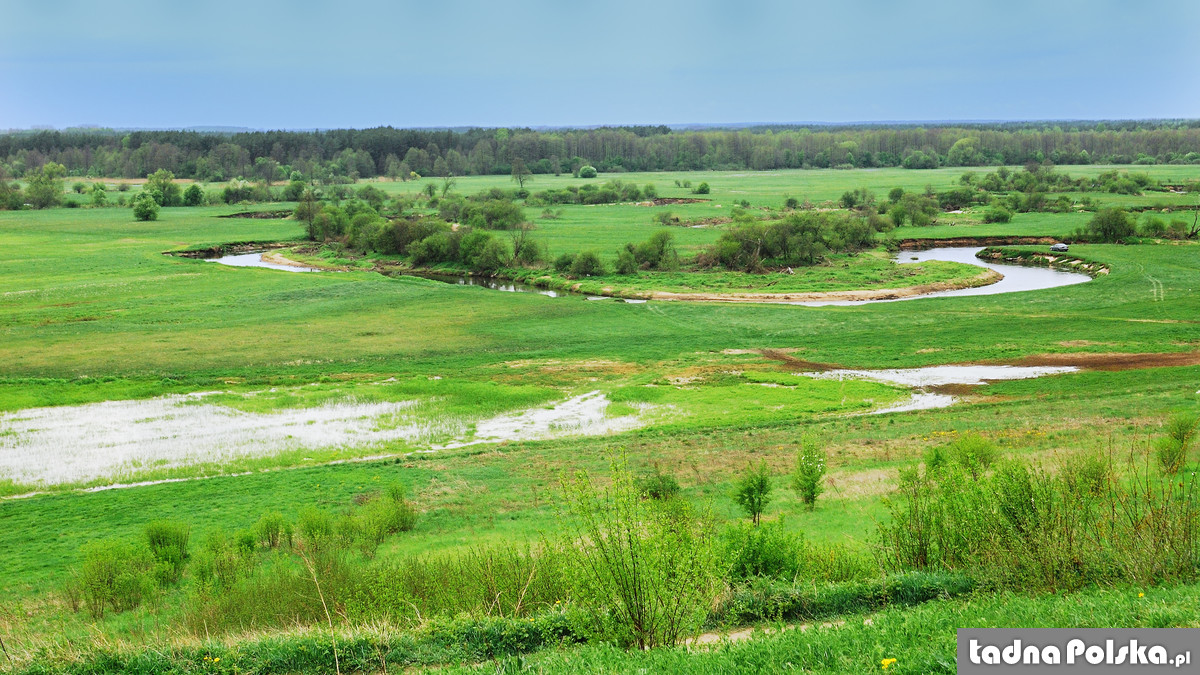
(1025, 527)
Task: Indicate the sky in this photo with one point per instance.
(300, 64)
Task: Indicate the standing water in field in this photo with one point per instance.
(256, 260)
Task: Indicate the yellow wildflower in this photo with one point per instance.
(887, 663)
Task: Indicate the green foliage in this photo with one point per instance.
(1022, 527)
(971, 452)
(115, 575)
(808, 478)
(1111, 224)
(273, 530)
(44, 186)
(564, 262)
(801, 238)
(658, 485)
(168, 542)
(587, 171)
(586, 264)
(997, 214)
(766, 551)
(1172, 449)
(648, 569)
(702, 189)
(145, 207)
(753, 491)
(162, 185)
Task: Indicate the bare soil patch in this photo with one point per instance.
(792, 362)
(1112, 361)
(664, 201)
(922, 244)
(260, 215)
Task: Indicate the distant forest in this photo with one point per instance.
(347, 154)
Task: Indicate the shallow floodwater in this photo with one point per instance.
(920, 379)
(256, 260)
(1016, 277)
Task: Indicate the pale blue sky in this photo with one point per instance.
(305, 64)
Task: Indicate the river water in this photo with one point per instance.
(1016, 277)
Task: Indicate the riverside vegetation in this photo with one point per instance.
(746, 495)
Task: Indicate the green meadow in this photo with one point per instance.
(92, 311)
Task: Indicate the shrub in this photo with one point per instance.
(753, 491)
(145, 207)
(658, 485)
(647, 569)
(168, 541)
(702, 189)
(587, 264)
(115, 575)
(997, 214)
(766, 551)
(587, 171)
(1111, 225)
(194, 196)
(563, 263)
(272, 530)
(974, 453)
(626, 262)
(808, 476)
(315, 527)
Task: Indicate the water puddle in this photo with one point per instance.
(582, 415)
(256, 260)
(922, 380)
(81, 443)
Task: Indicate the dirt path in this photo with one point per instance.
(984, 278)
(1112, 361)
(742, 634)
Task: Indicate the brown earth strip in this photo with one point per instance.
(789, 360)
(262, 215)
(1112, 361)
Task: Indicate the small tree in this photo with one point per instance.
(45, 185)
(193, 196)
(808, 476)
(702, 189)
(145, 207)
(587, 264)
(753, 491)
(587, 171)
(162, 184)
(520, 172)
(1111, 224)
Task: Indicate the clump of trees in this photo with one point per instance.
(611, 192)
(656, 253)
(801, 238)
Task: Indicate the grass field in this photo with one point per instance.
(92, 311)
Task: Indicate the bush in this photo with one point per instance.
(997, 214)
(702, 189)
(194, 196)
(587, 171)
(168, 541)
(808, 476)
(145, 208)
(766, 551)
(626, 262)
(658, 485)
(273, 530)
(115, 575)
(1172, 450)
(563, 263)
(753, 491)
(587, 264)
(1111, 225)
(648, 569)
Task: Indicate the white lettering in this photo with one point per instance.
(974, 651)
(1158, 656)
(1012, 653)
(1030, 657)
(1137, 656)
(1074, 648)
(1051, 655)
(1095, 655)
(991, 655)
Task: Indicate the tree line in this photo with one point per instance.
(348, 154)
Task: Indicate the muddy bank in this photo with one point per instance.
(984, 278)
(260, 215)
(965, 242)
(1060, 261)
(1112, 361)
(235, 248)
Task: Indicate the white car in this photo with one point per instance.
(1059, 248)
